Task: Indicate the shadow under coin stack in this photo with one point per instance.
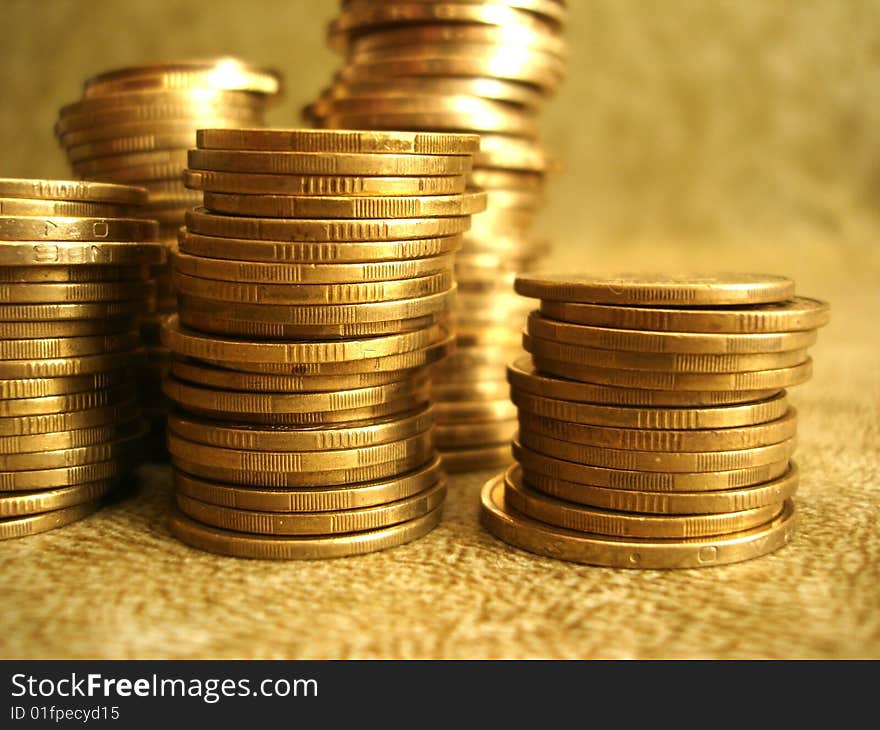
(654, 428)
(134, 126)
(313, 287)
(484, 67)
(74, 264)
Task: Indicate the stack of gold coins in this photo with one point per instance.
(654, 425)
(464, 65)
(134, 126)
(313, 288)
(74, 267)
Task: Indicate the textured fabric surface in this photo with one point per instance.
(117, 585)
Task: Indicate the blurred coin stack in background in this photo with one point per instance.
(484, 67)
(74, 267)
(654, 425)
(134, 126)
(314, 288)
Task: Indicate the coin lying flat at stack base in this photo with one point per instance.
(484, 67)
(74, 268)
(314, 287)
(134, 126)
(654, 425)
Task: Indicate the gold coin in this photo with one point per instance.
(523, 376)
(315, 318)
(72, 328)
(658, 461)
(478, 391)
(27, 314)
(137, 144)
(755, 380)
(453, 436)
(795, 315)
(32, 503)
(711, 440)
(115, 412)
(207, 110)
(59, 347)
(70, 274)
(26, 481)
(67, 228)
(32, 524)
(105, 166)
(338, 141)
(668, 342)
(466, 412)
(240, 545)
(579, 518)
(645, 481)
(66, 366)
(490, 179)
(388, 206)
(775, 491)
(148, 130)
(722, 417)
(642, 289)
(458, 461)
(353, 185)
(320, 163)
(316, 229)
(342, 436)
(80, 253)
(194, 97)
(193, 344)
(222, 73)
(314, 523)
(77, 190)
(510, 153)
(122, 447)
(313, 405)
(62, 208)
(28, 388)
(83, 437)
(79, 292)
(310, 500)
(517, 529)
(673, 363)
(314, 253)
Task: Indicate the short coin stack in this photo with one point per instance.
(464, 65)
(134, 126)
(74, 262)
(313, 289)
(654, 425)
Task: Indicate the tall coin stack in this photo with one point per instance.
(654, 425)
(464, 65)
(134, 126)
(313, 289)
(74, 267)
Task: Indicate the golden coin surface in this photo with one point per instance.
(597, 521)
(338, 141)
(659, 362)
(59, 347)
(27, 481)
(140, 135)
(136, 144)
(70, 274)
(744, 382)
(720, 417)
(471, 435)
(795, 315)
(342, 436)
(40, 387)
(456, 461)
(321, 315)
(65, 366)
(524, 377)
(68, 420)
(657, 461)
(466, 412)
(318, 273)
(353, 185)
(337, 163)
(32, 503)
(71, 328)
(83, 437)
(101, 166)
(99, 291)
(15, 527)
(70, 228)
(660, 290)
(207, 110)
(365, 14)
(486, 390)
(510, 153)
(78, 253)
(313, 294)
(63, 208)
(517, 529)
(668, 342)
(199, 220)
(241, 545)
(27, 313)
(193, 344)
(314, 523)
(645, 481)
(388, 206)
(60, 458)
(194, 97)
(503, 179)
(481, 87)
(711, 440)
(775, 491)
(75, 190)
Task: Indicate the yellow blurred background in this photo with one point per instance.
(693, 133)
